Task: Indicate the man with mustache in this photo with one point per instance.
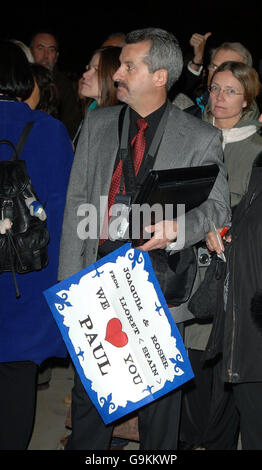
(151, 61)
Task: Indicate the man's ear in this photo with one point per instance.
(160, 77)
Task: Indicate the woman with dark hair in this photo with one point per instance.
(44, 96)
(16, 80)
(28, 333)
(98, 81)
(97, 87)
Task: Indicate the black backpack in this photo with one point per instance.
(23, 247)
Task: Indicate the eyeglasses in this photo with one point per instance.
(230, 92)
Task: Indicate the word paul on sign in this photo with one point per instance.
(120, 333)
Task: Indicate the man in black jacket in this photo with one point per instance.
(44, 47)
(238, 320)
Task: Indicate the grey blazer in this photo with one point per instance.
(187, 141)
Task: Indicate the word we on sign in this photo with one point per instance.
(119, 332)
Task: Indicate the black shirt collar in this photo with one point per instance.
(152, 119)
(154, 116)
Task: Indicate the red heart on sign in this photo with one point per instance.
(114, 333)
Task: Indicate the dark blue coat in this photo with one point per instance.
(27, 328)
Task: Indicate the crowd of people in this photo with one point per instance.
(72, 156)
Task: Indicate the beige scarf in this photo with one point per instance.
(236, 134)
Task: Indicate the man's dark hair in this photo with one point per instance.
(45, 31)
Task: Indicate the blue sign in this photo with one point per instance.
(120, 333)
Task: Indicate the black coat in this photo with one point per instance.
(242, 319)
(69, 111)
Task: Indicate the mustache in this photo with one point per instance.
(47, 64)
(122, 84)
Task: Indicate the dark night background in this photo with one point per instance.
(83, 26)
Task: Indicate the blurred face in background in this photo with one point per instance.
(89, 86)
(221, 56)
(45, 51)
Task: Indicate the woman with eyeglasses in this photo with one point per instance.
(232, 109)
(233, 87)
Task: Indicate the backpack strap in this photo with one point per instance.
(22, 140)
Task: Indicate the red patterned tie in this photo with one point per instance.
(115, 185)
(114, 189)
(138, 144)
